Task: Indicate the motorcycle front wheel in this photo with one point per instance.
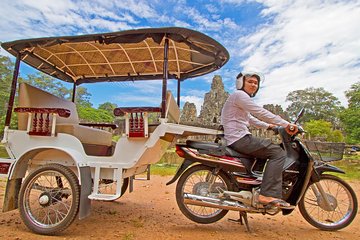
(337, 212)
(199, 180)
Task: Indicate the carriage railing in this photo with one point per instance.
(42, 121)
(136, 120)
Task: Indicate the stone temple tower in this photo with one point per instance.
(188, 114)
(213, 103)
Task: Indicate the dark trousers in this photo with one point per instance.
(263, 149)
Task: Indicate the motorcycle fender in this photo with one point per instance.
(186, 163)
(324, 168)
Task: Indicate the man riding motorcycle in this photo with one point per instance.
(238, 113)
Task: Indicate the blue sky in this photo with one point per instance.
(295, 43)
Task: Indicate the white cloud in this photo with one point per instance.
(204, 22)
(25, 18)
(235, 2)
(211, 8)
(176, 22)
(309, 44)
(196, 92)
(297, 44)
(141, 8)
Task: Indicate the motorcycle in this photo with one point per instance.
(214, 179)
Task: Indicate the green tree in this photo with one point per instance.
(48, 84)
(336, 136)
(320, 129)
(277, 109)
(108, 106)
(82, 97)
(89, 114)
(6, 70)
(353, 96)
(6, 67)
(350, 117)
(57, 88)
(318, 104)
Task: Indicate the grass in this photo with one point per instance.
(3, 153)
(163, 169)
(137, 222)
(351, 165)
(128, 236)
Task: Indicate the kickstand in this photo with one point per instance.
(242, 216)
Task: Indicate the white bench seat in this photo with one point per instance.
(33, 97)
(86, 135)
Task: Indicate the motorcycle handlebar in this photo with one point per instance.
(276, 129)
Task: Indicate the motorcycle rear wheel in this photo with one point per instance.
(195, 181)
(342, 199)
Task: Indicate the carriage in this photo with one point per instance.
(58, 165)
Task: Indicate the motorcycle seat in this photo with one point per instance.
(215, 148)
(231, 152)
(203, 145)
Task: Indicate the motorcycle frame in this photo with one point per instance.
(297, 153)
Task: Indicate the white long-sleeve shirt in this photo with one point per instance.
(240, 111)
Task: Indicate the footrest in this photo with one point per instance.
(104, 197)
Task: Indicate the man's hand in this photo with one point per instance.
(271, 127)
(291, 129)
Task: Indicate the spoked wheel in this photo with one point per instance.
(336, 213)
(199, 180)
(49, 199)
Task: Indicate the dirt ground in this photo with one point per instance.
(150, 212)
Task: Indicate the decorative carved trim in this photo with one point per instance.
(62, 112)
(41, 121)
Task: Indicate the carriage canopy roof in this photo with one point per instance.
(122, 56)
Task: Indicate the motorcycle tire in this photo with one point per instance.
(201, 173)
(343, 204)
(49, 199)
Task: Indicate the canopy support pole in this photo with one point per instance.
(73, 93)
(178, 93)
(12, 91)
(165, 77)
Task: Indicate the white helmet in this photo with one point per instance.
(240, 79)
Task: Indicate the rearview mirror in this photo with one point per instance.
(301, 113)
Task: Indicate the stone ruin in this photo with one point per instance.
(188, 114)
(211, 109)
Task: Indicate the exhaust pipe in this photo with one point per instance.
(202, 201)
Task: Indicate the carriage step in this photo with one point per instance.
(104, 197)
